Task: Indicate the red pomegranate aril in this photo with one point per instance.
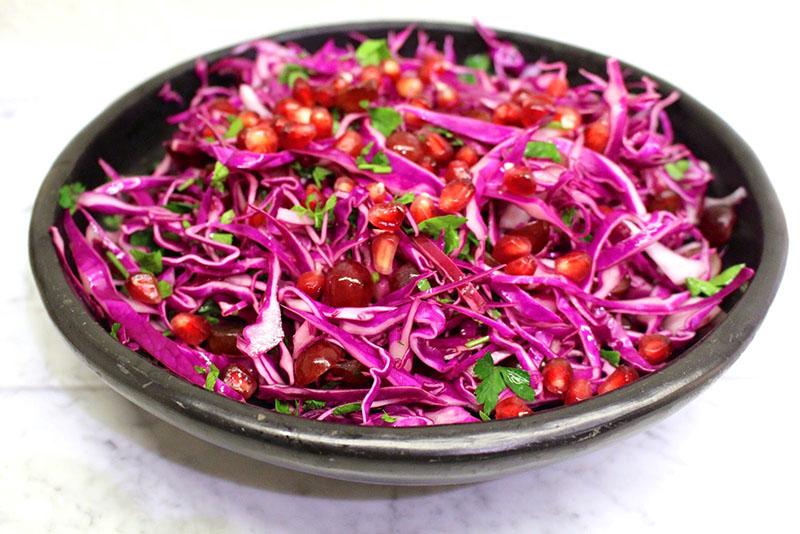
(387, 215)
(352, 98)
(406, 144)
(222, 106)
(456, 195)
(510, 408)
(384, 247)
(621, 288)
(190, 328)
(457, 170)
(315, 360)
(296, 136)
(409, 87)
(313, 196)
(622, 376)
(428, 164)
(402, 276)
(322, 121)
(518, 180)
(655, 348)
(574, 265)
(521, 96)
(350, 142)
(280, 123)
(223, 336)
(467, 154)
(557, 375)
(326, 96)
(507, 113)
(240, 380)
(596, 136)
(377, 192)
(350, 372)
(716, 224)
(143, 287)
(303, 93)
(301, 115)
(261, 138)
(249, 119)
(510, 247)
(567, 117)
(557, 87)
(311, 283)
(371, 74)
(479, 114)
(446, 97)
(422, 208)
(437, 147)
(410, 119)
(431, 67)
(390, 68)
(348, 284)
(533, 114)
(286, 106)
(524, 266)
(537, 232)
(665, 200)
(579, 390)
(345, 184)
(257, 219)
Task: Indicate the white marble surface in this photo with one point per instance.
(76, 456)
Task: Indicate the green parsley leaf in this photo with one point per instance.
(375, 277)
(489, 390)
(385, 120)
(282, 407)
(568, 216)
(484, 417)
(677, 169)
(111, 222)
(210, 311)
(363, 104)
(479, 62)
(347, 408)
(186, 185)
(424, 284)
(68, 196)
(199, 369)
(312, 404)
(611, 356)
(115, 330)
(222, 237)
(117, 264)
(186, 224)
(211, 376)
(711, 287)
(444, 132)
(448, 224)
(494, 313)
(227, 217)
(388, 418)
(234, 128)
(478, 341)
(143, 238)
(379, 163)
(519, 382)
(149, 262)
(542, 150)
(470, 245)
(164, 289)
(372, 52)
(219, 176)
(726, 277)
(408, 198)
(318, 174)
(290, 73)
(171, 236)
(494, 379)
(484, 367)
(180, 207)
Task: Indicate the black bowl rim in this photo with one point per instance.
(127, 370)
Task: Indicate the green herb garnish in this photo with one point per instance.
(68, 196)
(611, 356)
(495, 378)
(379, 164)
(347, 408)
(227, 217)
(385, 120)
(291, 72)
(372, 52)
(115, 330)
(219, 176)
(447, 224)
(149, 262)
(222, 237)
(713, 286)
(542, 150)
(117, 264)
(677, 169)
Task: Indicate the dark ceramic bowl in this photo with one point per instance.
(129, 135)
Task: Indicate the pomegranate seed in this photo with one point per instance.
(350, 372)
(222, 339)
(655, 348)
(567, 117)
(574, 265)
(428, 164)
(716, 224)
(579, 390)
(422, 208)
(666, 200)
(507, 113)
(286, 106)
(521, 96)
(384, 247)
(479, 114)
(348, 284)
(437, 147)
(311, 283)
(144, 288)
(387, 215)
(510, 408)
(596, 136)
(518, 180)
(411, 120)
(557, 87)
(313, 196)
(510, 247)
(350, 100)
(621, 288)
(533, 113)
(467, 154)
(222, 106)
(446, 97)
(372, 74)
(249, 119)
(377, 192)
(457, 170)
(345, 184)
(537, 232)
(190, 328)
(260, 138)
(456, 195)
(301, 115)
(326, 96)
(622, 376)
(402, 276)
(238, 379)
(409, 87)
(280, 123)
(431, 67)
(257, 219)
(315, 360)
(322, 121)
(524, 266)
(391, 68)
(303, 93)
(341, 83)
(295, 135)
(350, 142)
(557, 375)
(406, 144)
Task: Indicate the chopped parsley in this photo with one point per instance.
(477, 62)
(68, 196)
(318, 213)
(312, 404)
(542, 150)
(117, 264)
(115, 330)
(143, 238)
(234, 128)
(424, 284)
(222, 237)
(149, 262)
(227, 217)
(345, 409)
(180, 207)
(211, 373)
(372, 52)
(282, 407)
(186, 185)
(164, 289)
(447, 224)
(712, 287)
(568, 216)
(379, 164)
(496, 378)
(219, 176)
(408, 198)
(677, 169)
(316, 173)
(210, 310)
(388, 418)
(611, 356)
(477, 342)
(444, 132)
(385, 120)
(111, 222)
(291, 72)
